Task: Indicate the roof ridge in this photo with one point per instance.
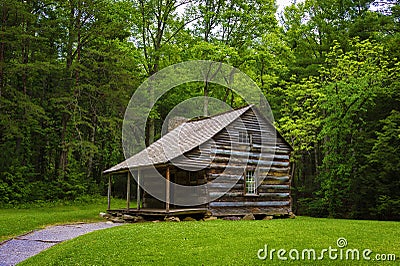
(219, 114)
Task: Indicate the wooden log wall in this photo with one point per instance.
(232, 158)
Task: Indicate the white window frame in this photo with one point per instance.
(250, 182)
(244, 137)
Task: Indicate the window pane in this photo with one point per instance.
(250, 183)
(243, 137)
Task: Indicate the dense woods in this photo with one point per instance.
(329, 69)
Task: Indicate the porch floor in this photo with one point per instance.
(158, 212)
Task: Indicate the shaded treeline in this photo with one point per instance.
(329, 69)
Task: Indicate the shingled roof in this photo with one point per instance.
(182, 139)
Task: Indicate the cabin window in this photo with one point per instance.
(251, 187)
(244, 137)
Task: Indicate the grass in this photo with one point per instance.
(221, 242)
(20, 220)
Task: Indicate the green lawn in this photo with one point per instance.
(17, 221)
(223, 242)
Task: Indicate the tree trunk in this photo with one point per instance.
(25, 54)
(150, 131)
(92, 140)
(2, 45)
(79, 44)
(205, 106)
(64, 148)
(316, 159)
(70, 43)
(151, 121)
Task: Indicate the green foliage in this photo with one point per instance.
(300, 114)
(384, 168)
(351, 85)
(314, 207)
(387, 208)
(66, 75)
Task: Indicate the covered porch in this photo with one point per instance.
(148, 206)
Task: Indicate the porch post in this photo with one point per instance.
(128, 190)
(167, 188)
(138, 189)
(109, 193)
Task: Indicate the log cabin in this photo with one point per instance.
(231, 164)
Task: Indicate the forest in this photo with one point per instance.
(330, 70)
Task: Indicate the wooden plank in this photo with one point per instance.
(248, 161)
(109, 193)
(226, 178)
(159, 212)
(217, 194)
(138, 190)
(274, 195)
(128, 190)
(272, 171)
(267, 148)
(249, 167)
(249, 204)
(250, 154)
(167, 190)
(276, 178)
(245, 210)
(239, 196)
(266, 182)
(277, 187)
(224, 186)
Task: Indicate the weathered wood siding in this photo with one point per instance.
(273, 192)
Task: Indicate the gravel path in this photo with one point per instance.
(23, 247)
